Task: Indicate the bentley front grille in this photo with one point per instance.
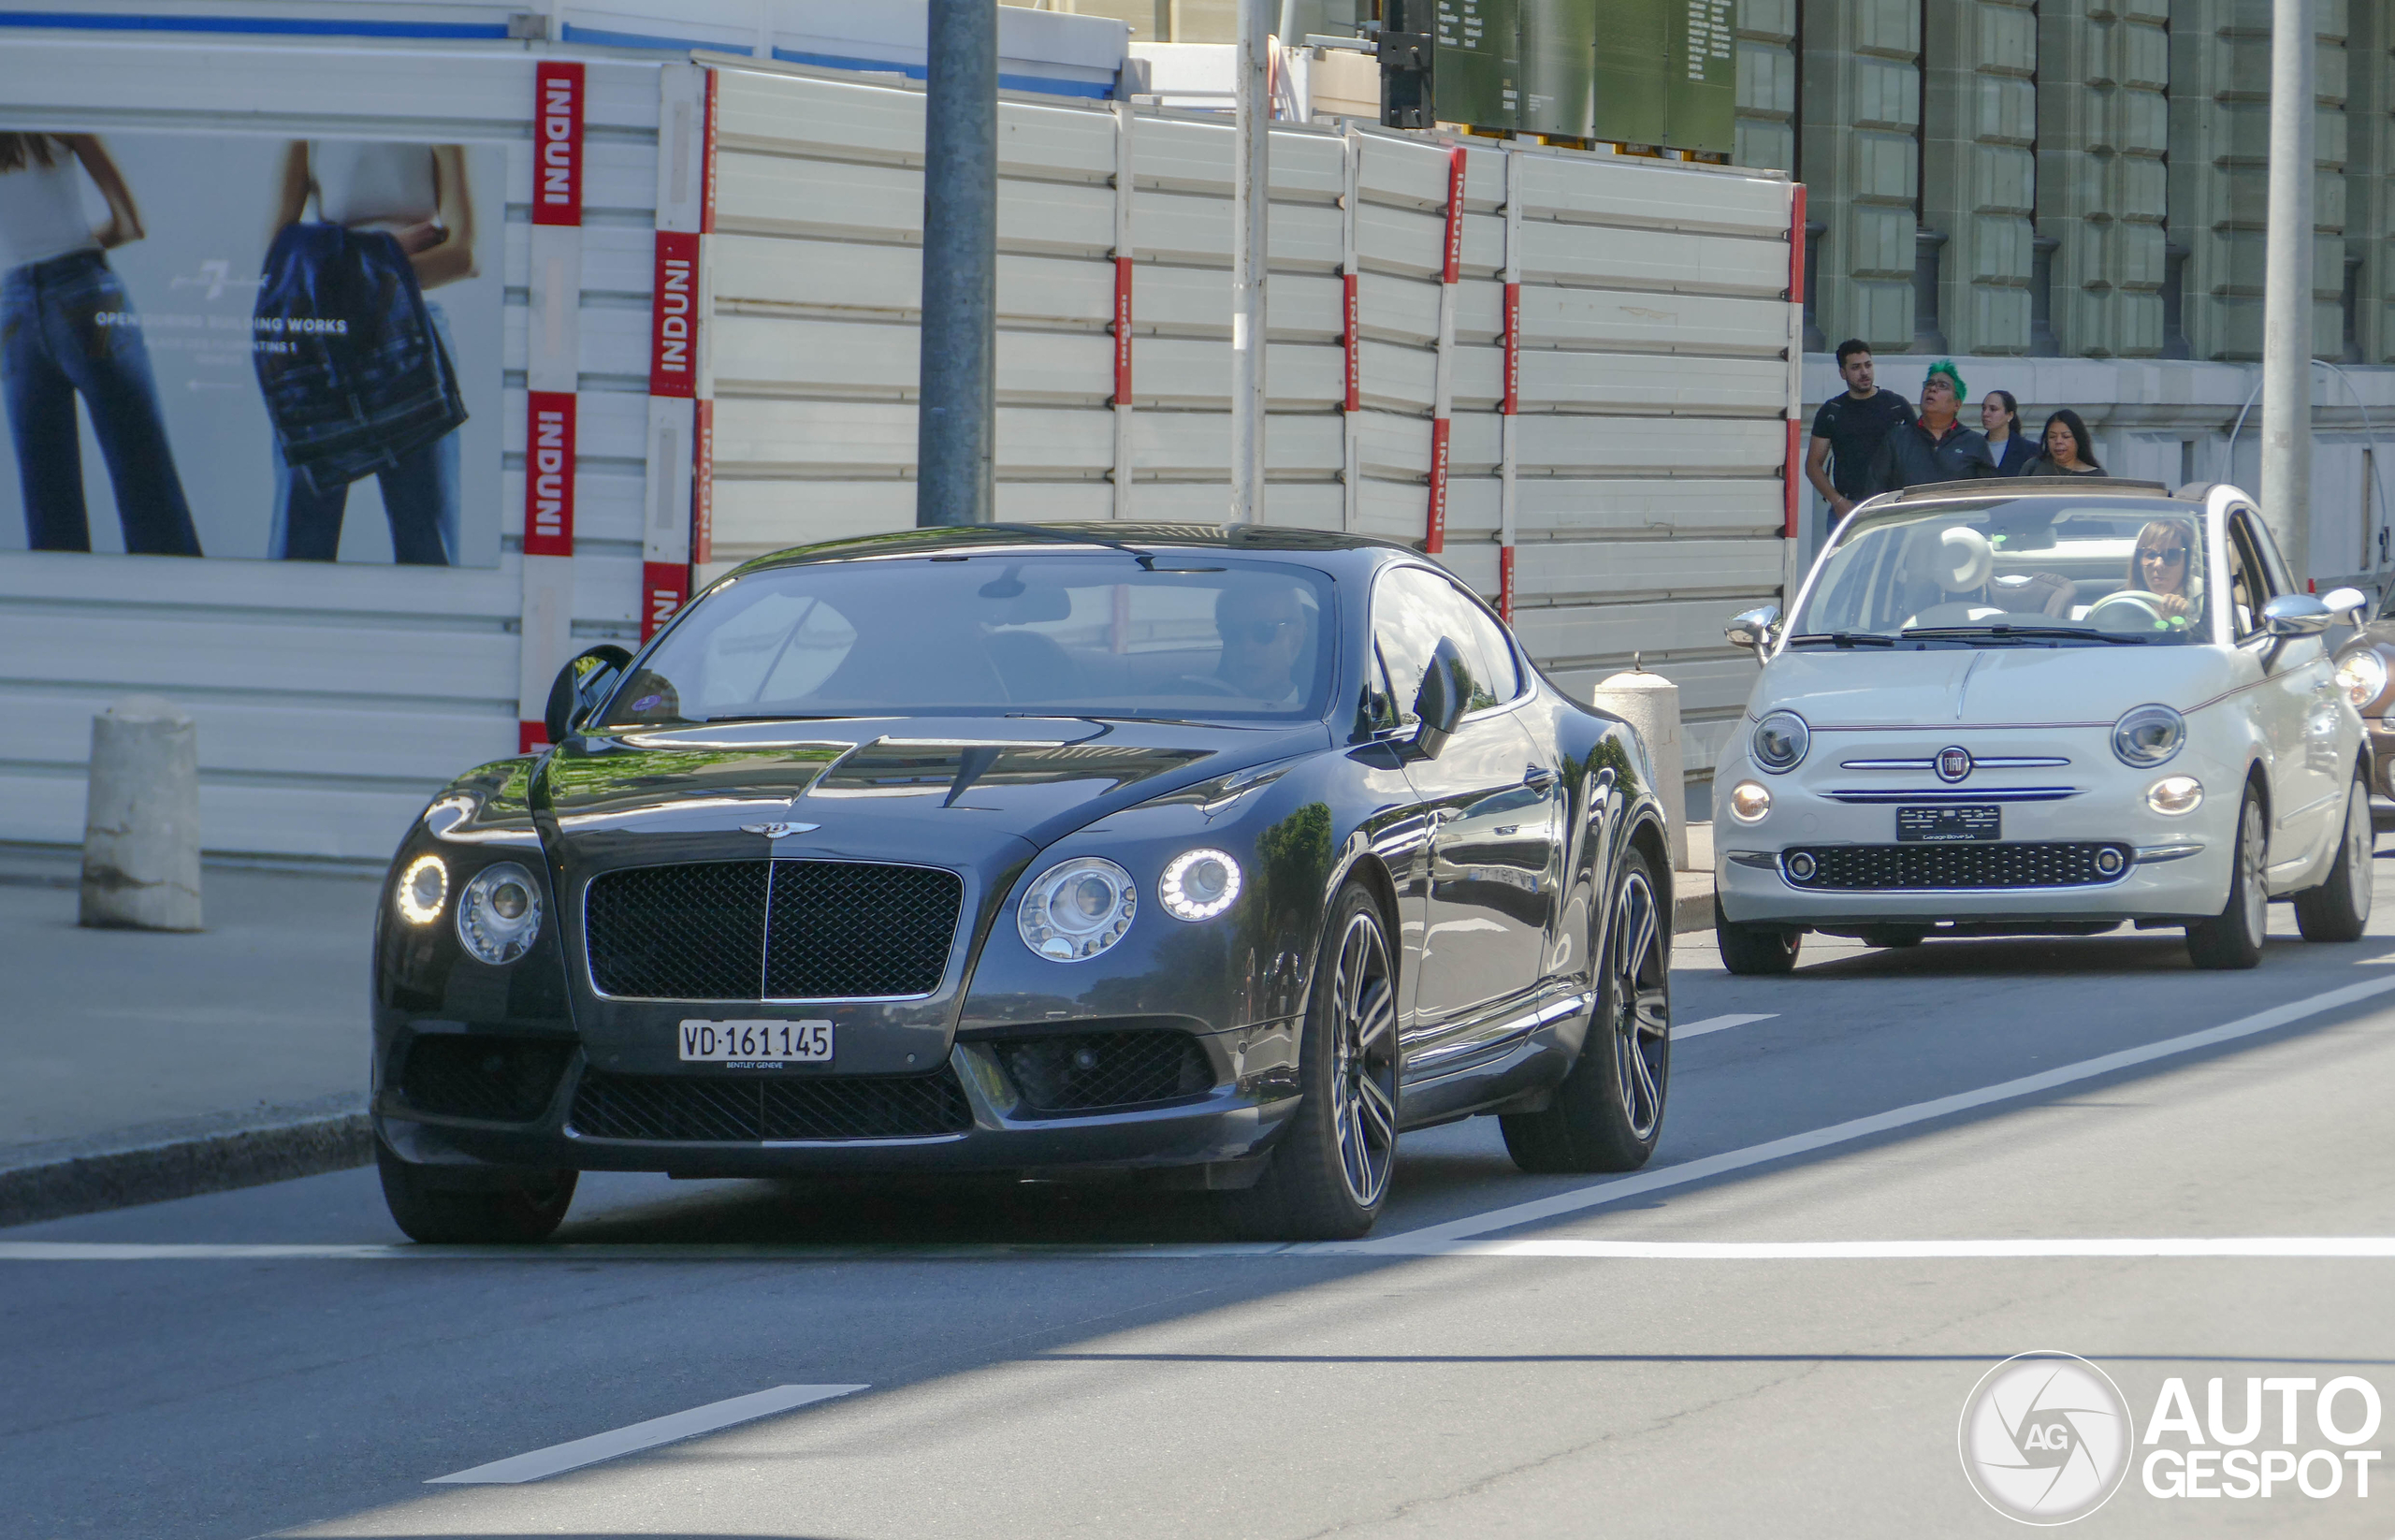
(1992, 863)
(782, 930)
(749, 1110)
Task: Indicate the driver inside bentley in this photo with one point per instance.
(2163, 564)
(1264, 629)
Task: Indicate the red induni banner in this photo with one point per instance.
(673, 325)
(556, 161)
(1351, 331)
(1505, 584)
(665, 586)
(1435, 538)
(531, 737)
(1454, 265)
(706, 173)
(548, 473)
(1121, 331)
(1513, 349)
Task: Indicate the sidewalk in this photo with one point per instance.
(142, 1066)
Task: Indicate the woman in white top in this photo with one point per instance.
(417, 195)
(66, 328)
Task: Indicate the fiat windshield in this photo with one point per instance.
(2028, 571)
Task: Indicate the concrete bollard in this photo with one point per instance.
(1651, 703)
(141, 818)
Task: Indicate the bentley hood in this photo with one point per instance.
(951, 790)
(1988, 687)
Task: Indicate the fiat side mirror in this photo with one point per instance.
(580, 685)
(1439, 704)
(2293, 615)
(1755, 629)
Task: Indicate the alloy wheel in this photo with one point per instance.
(1363, 1082)
(2362, 842)
(1642, 1004)
(2251, 851)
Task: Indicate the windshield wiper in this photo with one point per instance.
(1846, 638)
(2006, 631)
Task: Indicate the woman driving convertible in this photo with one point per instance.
(2163, 567)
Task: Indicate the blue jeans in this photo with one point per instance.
(54, 345)
(419, 498)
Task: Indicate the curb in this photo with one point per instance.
(1693, 911)
(183, 1160)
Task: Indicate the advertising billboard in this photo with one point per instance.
(236, 346)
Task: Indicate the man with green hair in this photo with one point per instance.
(1935, 447)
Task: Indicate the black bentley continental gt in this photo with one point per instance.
(1216, 857)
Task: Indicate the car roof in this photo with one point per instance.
(1092, 534)
(2032, 487)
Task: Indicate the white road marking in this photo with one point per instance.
(1718, 1023)
(1836, 1251)
(1707, 1167)
(644, 1435)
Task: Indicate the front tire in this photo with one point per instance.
(1755, 949)
(2234, 939)
(1330, 1172)
(439, 1217)
(2339, 909)
(1608, 1113)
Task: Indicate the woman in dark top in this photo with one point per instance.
(2000, 421)
(2069, 452)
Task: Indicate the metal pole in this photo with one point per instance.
(956, 418)
(2286, 290)
(1251, 197)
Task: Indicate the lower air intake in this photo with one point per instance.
(726, 1110)
(1085, 1071)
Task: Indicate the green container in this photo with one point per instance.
(1559, 67)
(1701, 99)
(1476, 69)
(1633, 48)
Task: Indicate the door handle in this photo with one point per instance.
(1538, 777)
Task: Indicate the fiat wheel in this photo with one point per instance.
(2234, 939)
(1329, 1173)
(1608, 1113)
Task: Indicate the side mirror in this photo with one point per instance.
(2348, 606)
(2292, 615)
(1440, 704)
(585, 678)
(1755, 629)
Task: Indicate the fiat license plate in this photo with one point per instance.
(1950, 825)
(756, 1044)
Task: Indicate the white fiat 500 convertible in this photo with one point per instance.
(2005, 708)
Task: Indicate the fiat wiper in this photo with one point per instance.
(1846, 638)
(2004, 630)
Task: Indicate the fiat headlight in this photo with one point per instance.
(424, 887)
(1749, 799)
(1199, 884)
(1780, 740)
(2148, 735)
(1076, 909)
(2175, 794)
(499, 914)
(2362, 677)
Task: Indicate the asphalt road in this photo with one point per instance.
(1047, 1361)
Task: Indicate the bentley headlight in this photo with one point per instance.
(500, 913)
(424, 887)
(2148, 735)
(1199, 884)
(1076, 909)
(1780, 740)
(2362, 677)
(1749, 799)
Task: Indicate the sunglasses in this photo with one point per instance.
(2164, 554)
(1257, 632)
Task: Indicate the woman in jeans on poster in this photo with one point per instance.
(66, 330)
(417, 194)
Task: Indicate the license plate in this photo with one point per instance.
(1950, 825)
(756, 1044)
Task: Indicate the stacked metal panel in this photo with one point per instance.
(1648, 348)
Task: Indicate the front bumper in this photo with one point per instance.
(1238, 1118)
(2175, 868)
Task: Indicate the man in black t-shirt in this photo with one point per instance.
(1848, 431)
